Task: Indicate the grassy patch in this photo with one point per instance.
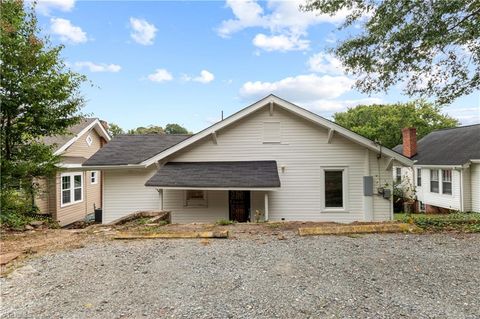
(464, 222)
(274, 225)
(224, 222)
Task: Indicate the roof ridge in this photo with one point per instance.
(454, 128)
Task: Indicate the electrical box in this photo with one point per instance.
(367, 185)
(387, 193)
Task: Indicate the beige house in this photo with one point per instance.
(72, 193)
(272, 157)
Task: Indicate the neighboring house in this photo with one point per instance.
(272, 157)
(72, 193)
(446, 171)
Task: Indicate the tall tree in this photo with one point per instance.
(431, 47)
(39, 96)
(151, 129)
(114, 129)
(174, 128)
(384, 123)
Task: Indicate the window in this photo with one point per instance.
(434, 180)
(271, 132)
(94, 177)
(419, 177)
(89, 140)
(398, 175)
(195, 198)
(421, 206)
(334, 197)
(71, 188)
(447, 181)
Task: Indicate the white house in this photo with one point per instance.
(446, 171)
(272, 157)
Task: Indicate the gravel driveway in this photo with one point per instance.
(373, 276)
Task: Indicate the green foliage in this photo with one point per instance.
(174, 128)
(432, 48)
(114, 129)
(224, 222)
(384, 123)
(464, 222)
(40, 97)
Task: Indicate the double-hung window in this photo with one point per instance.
(419, 177)
(71, 188)
(94, 177)
(447, 181)
(434, 188)
(196, 198)
(398, 174)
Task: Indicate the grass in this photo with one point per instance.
(224, 222)
(463, 222)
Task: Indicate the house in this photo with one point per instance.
(72, 193)
(271, 158)
(446, 171)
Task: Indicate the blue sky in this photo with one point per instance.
(158, 62)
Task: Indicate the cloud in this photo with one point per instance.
(283, 19)
(67, 31)
(339, 105)
(95, 67)
(45, 6)
(143, 32)
(325, 63)
(466, 115)
(301, 88)
(160, 75)
(204, 77)
(280, 43)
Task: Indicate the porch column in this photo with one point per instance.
(266, 206)
(160, 192)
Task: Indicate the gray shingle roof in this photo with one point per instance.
(247, 175)
(455, 146)
(133, 149)
(59, 140)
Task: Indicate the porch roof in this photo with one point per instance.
(217, 175)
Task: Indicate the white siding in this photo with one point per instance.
(303, 151)
(382, 208)
(438, 199)
(125, 193)
(475, 186)
(467, 189)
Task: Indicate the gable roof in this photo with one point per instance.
(133, 149)
(275, 101)
(238, 175)
(454, 146)
(62, 142)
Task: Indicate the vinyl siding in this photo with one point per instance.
(438, 199)
(125, 192)
(41, 198)
(475, 186)
(303, 152)
(382, 208)
(81, 148)
(467, 189)
(70, 213)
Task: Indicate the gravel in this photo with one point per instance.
(372, 276)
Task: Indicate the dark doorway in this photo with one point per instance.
(239, 205)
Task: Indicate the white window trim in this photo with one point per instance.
(345, 194)
(438, 181)
(95, 177)
(89, 140)
(195, 203)
(72, 189)
(441, 182)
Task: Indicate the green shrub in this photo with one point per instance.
(224, 222)
(465, 222)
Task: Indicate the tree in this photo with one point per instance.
(174, 128)
(40, 97)
(151, 129)
(384, 123)
(432, 48)
(114, 129)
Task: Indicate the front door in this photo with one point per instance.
(239, 205)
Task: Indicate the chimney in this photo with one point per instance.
(409, 141)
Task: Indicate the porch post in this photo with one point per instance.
(266, 206)
(160, 192)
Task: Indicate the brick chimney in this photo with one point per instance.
(409, 141)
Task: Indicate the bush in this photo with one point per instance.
(224, 222)
(465, 222)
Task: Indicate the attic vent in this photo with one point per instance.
(271, 132)
(89, 140)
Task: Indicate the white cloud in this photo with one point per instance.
(67, 31)
(45, 6)
(160, 75)
(466, 115)
(280, 42)
(284, 19)
(339, 105)
(301, 88)
(325, 63)
(143, 32)
(204, 77)
(95, 67)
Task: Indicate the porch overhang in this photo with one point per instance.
(242, 175)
